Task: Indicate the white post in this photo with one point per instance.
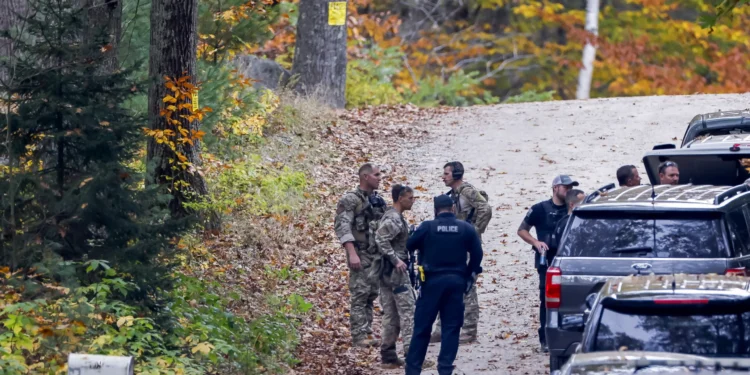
(589, 51)
(91, 364)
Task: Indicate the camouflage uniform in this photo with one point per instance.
(354, 217)
(396, 293)
(468, 198)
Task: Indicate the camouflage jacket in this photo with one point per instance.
(467, 197)
(355, 218)
(391, 236)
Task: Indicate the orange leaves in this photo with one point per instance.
(178, 113)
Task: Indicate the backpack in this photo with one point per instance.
(458, 199)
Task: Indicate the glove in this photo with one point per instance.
(470, 282)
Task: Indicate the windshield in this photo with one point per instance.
(640, 235)
(719, 335)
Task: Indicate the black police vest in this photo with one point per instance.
(445, 249)
(552, 215)
(544, 232)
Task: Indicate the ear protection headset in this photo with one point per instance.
(457, 170)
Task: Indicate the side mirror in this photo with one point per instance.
(590, 300)
(664, 146)
(573, 322)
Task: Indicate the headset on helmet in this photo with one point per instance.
(457, 170)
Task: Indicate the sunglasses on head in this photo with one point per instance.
(667, 165)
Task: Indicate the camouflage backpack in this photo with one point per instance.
(457, 199)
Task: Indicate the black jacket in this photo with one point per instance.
(446, 244)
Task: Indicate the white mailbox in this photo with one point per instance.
(92, 364)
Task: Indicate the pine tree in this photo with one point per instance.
(68, 192)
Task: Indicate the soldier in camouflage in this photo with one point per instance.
(396, 292)
(471, 206)
(356, 214)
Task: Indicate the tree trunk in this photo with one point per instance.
(104, 20)
(173, 54)
(10, 10)
(320, 51)
(589, 50)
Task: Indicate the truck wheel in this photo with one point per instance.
(556, 362)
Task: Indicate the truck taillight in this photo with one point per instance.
(552, 288)
(737, 271)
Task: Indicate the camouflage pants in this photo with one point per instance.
(363, 289)
(471, 314)
(398, 307)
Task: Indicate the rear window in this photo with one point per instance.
(719, 335)
(642, 235)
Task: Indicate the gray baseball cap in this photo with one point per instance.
(564, 179)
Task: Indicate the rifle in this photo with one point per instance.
(413, 277)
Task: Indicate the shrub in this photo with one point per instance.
(531, 96)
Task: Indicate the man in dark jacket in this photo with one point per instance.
(543, 216)
(443, 244)
(573, 199)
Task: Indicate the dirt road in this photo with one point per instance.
(513, 152)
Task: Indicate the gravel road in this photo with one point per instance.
(513, 151)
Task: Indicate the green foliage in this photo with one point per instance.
(368, 80)
(722, 9)
(38, 333)
(531, 96)
(457, 90)
(229, 27)
(251, 186)
(231, 99)
(69, 192)
(202, 317)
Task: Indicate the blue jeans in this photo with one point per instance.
(440, 294)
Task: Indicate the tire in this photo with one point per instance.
(556, 362)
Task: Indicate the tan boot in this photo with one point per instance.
(366, 343)
(392, 364)
(466, 339)
(427, 364)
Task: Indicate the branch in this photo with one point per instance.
(503, 65)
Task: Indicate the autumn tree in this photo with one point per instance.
(174, 145)
(320, 50)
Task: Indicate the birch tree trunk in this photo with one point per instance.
(173, 54)
(320, 51)
(589, 50)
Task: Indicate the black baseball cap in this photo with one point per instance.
(443, 201)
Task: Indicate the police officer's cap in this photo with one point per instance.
(443, 201)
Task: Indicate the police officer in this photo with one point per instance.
(357, 213)
(443, 245)
(544, 217)
(573, 199)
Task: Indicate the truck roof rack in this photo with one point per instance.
(739, 189)
(598, 192)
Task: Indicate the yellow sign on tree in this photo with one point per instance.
(337, 13)
(194, 100)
